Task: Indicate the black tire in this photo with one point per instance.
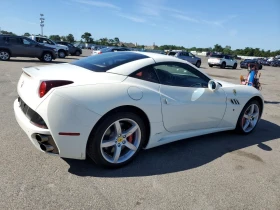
(198, 63)
(260, 67)
(239, 128)
(77, 53)
(47, 57)
(94, 141)
(61, 54)
(223, 65)
(4, 55)
(210, 65)
(234, 66)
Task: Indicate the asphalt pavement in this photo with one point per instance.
(217, 171)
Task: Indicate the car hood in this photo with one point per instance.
(226, 84)
(62, 46)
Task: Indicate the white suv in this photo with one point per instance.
(62, 50)
(222, 60)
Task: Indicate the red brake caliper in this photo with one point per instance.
(130, 138)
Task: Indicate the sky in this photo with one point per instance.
(188, 23)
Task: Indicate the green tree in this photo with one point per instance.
(86, 36)
(218, 48)
(63, 38)
(55, 38)
(8, 33)
(117, 40)
(26, 34)
(70, 38)
(227, 50)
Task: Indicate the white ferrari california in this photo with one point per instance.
(108, 107)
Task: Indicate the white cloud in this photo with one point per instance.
(187, 18)
(132, 18)
(98, 4)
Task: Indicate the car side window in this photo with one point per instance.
(26, 42)
(181, 75)
(147, 73)
(13, 40)
(226, 57)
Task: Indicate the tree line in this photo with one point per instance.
(87, 38)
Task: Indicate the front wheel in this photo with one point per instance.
(234, 66)
(77, 53)
(47, 57)
(117, 139)
(249, 117)
(198, 63)
(210, 65)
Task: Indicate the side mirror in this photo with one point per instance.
(213, 85)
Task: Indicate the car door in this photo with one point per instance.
(187, 103)
(181, 55)
(15, 46)
(30, 48)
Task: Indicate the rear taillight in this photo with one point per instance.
(45, 86)
(99, 53)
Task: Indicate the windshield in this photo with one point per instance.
(107, 61)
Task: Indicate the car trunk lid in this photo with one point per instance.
(32, 77)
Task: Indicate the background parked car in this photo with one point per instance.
(275, 63)
(222, 60)
(72, 49)
(186, 56)
(62, 50)
(247, 62)
(20, 46)
(109, 49)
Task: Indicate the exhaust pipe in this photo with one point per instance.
(41, 138)
(46, 148)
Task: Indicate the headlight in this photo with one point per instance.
(67, 48)
(54, 49)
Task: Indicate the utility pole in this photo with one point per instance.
(42, 20)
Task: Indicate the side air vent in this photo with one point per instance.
(234, 101)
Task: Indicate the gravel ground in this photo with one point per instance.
(217, 171)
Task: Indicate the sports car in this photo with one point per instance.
(110, 106)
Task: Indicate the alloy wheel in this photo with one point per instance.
(120, 141)
(250, 118)
(47, 57)
(4, 55)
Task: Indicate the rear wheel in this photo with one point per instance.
(223, 65)
(4, 55)
(61, 54)
(210, 65)
(117, 139)
(234, 66)
(249, 117)
(198, 63)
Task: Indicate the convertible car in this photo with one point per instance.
(110, 106)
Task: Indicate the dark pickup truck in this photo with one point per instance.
(20, 46)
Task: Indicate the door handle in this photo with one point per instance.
(165, 101)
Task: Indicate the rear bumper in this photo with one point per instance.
(72, 118)
(30, 129)
(214, 64)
